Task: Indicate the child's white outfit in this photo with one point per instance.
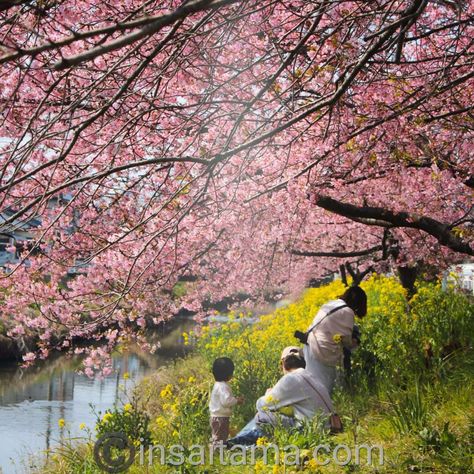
(220, 407)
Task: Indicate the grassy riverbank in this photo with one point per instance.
(411, 390)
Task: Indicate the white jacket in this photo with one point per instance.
(323, 339)
(222, 400)
(294, 390)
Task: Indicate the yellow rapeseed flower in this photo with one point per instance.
(313, 465)
(287, 411)
(61, 423)
(161, 422)
(127, 407)
(167, 392)
(260, 467)
(270, 399)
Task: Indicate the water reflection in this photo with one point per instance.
(33, 401)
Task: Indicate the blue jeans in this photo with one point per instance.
(248, 435)
(254, 429)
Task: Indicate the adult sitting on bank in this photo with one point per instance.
(332, 330)
(297, 397)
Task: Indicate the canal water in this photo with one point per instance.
(33, 401)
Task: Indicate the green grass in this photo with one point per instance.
(437, 438)
(419, 409)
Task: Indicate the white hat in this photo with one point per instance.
(291, 350)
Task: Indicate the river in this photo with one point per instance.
(32, 401)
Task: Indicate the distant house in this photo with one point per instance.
(21, 233)
(462, 276)
(15, 235)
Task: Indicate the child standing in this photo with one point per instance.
(222, 400)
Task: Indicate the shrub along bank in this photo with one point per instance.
(410, 390)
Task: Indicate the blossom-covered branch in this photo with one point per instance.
(158, 155)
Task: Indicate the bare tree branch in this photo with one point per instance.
(147, 30)
(335, 254)
(384, 217)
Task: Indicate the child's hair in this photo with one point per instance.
(293, 361)
(223, 369)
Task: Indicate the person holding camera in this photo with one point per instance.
(332, 332)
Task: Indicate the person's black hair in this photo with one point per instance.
(293, 361)
(223, 369)
(356, 299)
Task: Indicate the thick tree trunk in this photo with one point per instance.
(407, 277)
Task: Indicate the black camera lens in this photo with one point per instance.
(301, 336)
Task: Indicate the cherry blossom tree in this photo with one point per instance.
(242, 146)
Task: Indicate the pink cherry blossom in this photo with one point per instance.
(165, 156)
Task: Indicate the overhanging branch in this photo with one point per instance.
(7, 4)
(357, 253)
(378, 215)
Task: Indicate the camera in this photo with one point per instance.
(301, 336)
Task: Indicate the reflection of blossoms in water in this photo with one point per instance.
(99, 360)
(29, 357)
